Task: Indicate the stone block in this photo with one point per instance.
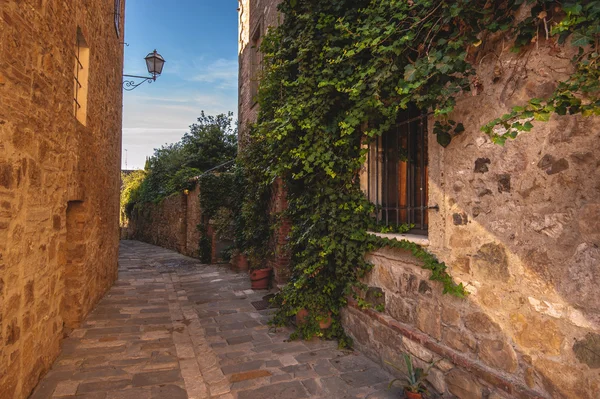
(437, 379)
(417, 350)
(156, 378)
(480, 322)
(589, 223)
(387, 337)
(481, 165)
(534, 333)
(551, 165)
(498, 354)
(429, 319)
(400, 309)
(249, 375)
(284, 390)
(587, 350)
(462, 341)
(450, 316)
(491, 262)
(463, 385)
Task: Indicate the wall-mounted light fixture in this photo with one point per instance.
(155, 63)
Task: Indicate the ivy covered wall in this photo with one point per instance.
(516, 226)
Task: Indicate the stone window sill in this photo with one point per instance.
(414, 238)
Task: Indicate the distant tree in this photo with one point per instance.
(130, 191)
(210, 142)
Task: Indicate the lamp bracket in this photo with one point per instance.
(129, 85)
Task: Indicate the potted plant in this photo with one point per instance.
(324, 323)
(414, 387)
(260, 276)
(238, 261)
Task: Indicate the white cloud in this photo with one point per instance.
(157, 119)
(222, 72)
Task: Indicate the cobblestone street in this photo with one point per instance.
(173, 328)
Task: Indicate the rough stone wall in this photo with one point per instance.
(163, 224)
(59, 179)
(193, 218)
(172, 223)
(519, 225)
(253, 15)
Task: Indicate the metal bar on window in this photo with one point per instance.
(385, 182)
(377, 202)
(409, 167)
(396, 174)
(422, 135)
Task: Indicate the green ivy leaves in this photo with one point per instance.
(338, 74)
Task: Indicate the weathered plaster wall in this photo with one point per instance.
(59, 180)
(519, 225)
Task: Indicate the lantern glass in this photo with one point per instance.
(155, 63)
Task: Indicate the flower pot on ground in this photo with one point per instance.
(242, 263)
(239, 262)
(413, 395)
(261, 278)
(303, 313)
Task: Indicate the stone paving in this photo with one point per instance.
(173, 328)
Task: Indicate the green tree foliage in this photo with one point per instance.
(210, 142)
(337, 75)
(130, 191)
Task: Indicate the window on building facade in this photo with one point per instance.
(397, 173)
(256, 63)
(82, 59)
(118, 17)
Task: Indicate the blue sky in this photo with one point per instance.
(198, 39)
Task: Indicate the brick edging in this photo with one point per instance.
(479, 371)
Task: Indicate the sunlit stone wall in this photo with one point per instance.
(59, 178)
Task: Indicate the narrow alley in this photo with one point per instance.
(173, 328)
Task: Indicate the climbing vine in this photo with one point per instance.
(337, 74)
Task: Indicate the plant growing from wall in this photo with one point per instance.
(331, 67)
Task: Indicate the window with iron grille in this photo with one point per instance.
(118, 17)
(397, 173)
(80, 74)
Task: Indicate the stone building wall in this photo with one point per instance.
(59, 179)
(171, 223)
(255, 18)
(163, 224)
(519, 225)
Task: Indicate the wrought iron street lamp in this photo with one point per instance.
(155, 63)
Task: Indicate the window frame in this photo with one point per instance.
(117, 16)
(380, 170)
(80, 78)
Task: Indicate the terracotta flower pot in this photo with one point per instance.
(242, 263)
(239, 263)
(413, 395)
(260, 278)
(303, 313)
